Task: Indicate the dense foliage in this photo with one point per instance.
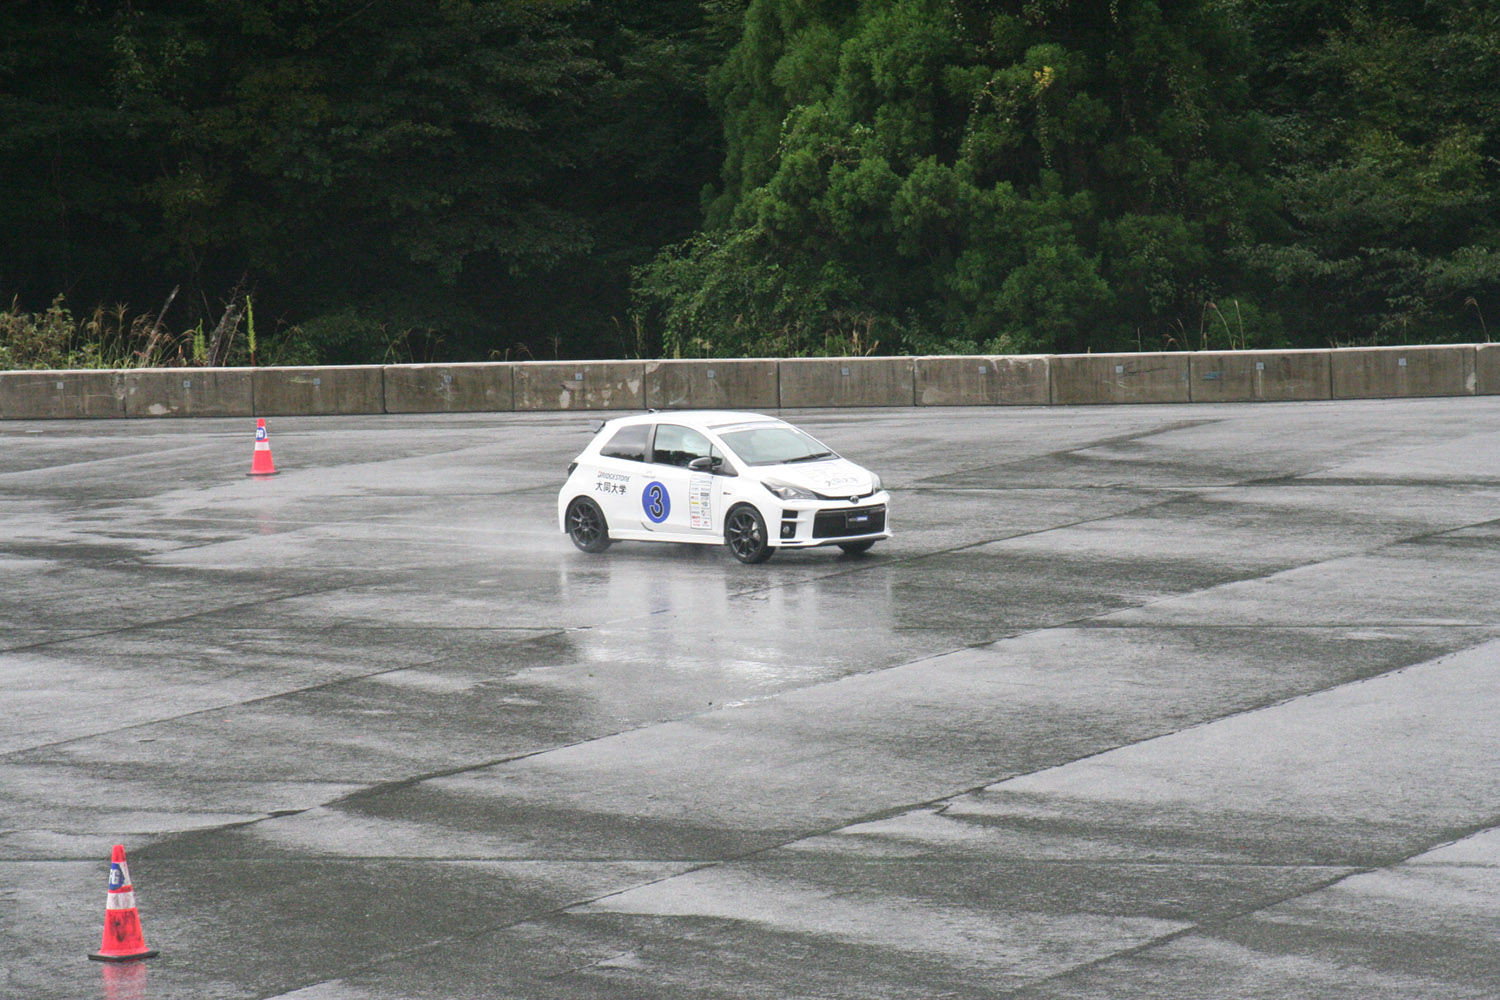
(469, 179)
(1386, 121)
(384, 176)
(939, 173)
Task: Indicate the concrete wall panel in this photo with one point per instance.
(471, 388)
(1119, 378)
(580, 385)
(982, 381)
(187, 392)
(1382, 372)
(848, 382)
(1487, 369)
(721, 384)
(47, 395)
(1253, 376)
(319, 391)
(750, 383)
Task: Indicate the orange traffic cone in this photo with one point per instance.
(123, 940)
(261, 464)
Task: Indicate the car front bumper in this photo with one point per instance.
(810, 523)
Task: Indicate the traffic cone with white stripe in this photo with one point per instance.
(261, 463)
(123, 939)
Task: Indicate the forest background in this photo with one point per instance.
(342, 181)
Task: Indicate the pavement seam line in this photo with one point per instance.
(180, 619)
(1345, 872)
(1169, 427)
(767, 588)
(1491, 823)
(381, 788)
(333, 682)
(474, 933)
(940, 804)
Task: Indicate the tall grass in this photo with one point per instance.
(114, 337)
(56, 338)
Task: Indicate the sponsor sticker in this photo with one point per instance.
(700, 502)
(611, 483)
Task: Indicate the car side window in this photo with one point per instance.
(678, 446)
(628, 443)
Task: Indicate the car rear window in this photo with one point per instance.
(628, 443)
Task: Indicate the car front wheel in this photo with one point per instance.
(586, 525)
(745, 534)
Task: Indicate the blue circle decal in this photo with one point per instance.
(656, 503)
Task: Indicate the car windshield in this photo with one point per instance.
(775, 446)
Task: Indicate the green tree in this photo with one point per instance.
(1388, 152)
(1053, 175)
(484, 170)
(649, 143)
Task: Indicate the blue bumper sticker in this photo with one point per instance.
(656, 503)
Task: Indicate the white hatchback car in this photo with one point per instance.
(753, 482)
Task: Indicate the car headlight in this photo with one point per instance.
(875, 484)
(787, 492)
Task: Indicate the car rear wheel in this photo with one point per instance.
(855, 548)
(586, 525)
(745, 534)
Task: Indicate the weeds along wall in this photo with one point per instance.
(757, 383)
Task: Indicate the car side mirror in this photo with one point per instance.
(712, 464)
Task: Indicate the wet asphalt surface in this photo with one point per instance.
(1140, 702)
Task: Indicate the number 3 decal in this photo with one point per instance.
(656, 502)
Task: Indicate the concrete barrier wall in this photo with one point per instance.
(474, 388)
(46, 395)
(188, 392)
(580, 385)
(758, 383)
(1257, 376)
(847, 382)
(1382, 372)
(728, 384)
(319, 391)
(1487, 369)
(1119, 378)
(983, 381)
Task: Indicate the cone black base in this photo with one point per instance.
(97, 957)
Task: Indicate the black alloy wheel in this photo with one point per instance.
(586, 525)
(745, 534)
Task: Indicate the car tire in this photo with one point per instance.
(745, 534)
(857, 548)
(587, 526)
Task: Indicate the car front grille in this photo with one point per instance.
(845, 496)
(854, 521)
